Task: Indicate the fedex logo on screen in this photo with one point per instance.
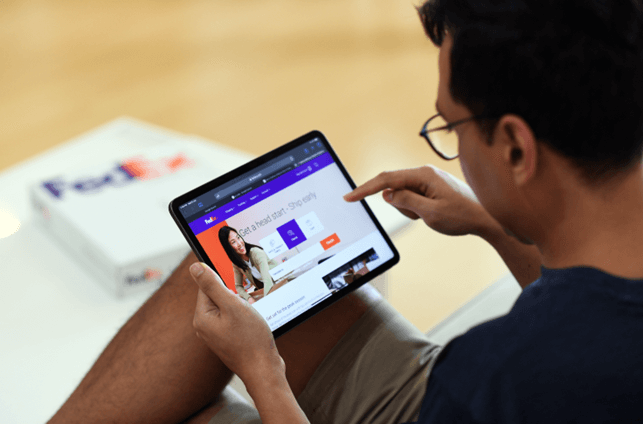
(210, 220)
(131, 170)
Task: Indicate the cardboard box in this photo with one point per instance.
(111, 214)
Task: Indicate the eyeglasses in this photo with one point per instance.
(443, 140)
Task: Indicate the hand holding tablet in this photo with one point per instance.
(232, 328)
(278, 230)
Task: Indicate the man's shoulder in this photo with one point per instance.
(549, 324)
(557, 344)
(485, 349)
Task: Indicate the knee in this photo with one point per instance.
(368, 295)
(229, 406)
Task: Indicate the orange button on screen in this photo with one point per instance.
(329, 242)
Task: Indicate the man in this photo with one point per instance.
(545, 98)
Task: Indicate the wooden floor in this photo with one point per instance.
(250, 74)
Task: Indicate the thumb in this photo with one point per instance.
(408, 202)
(209, 282)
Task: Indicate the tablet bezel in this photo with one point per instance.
(248, 167)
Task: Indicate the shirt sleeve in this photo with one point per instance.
(260, 260)
(238, 283)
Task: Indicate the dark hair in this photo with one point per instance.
(224, 234)
(573, 69)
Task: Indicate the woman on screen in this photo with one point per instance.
(249, 262)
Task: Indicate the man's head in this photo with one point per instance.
(560, 80)
(571, 68)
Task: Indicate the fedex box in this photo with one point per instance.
(112, 215)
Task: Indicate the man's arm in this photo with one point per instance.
(274, 399)
(241, 338)
(449, 206)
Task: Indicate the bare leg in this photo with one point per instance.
(156, 370)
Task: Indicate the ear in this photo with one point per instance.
(519, 148)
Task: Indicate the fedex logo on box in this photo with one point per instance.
(131, 170)
(147, 275)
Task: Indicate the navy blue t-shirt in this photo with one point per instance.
(570, 350)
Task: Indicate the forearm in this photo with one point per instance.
(523, 260)
(274, 399)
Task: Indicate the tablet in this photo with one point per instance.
(278, 229)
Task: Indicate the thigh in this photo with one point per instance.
(306, 346)
(376, 373)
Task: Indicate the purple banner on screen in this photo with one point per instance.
(291, 233)
(257, 195)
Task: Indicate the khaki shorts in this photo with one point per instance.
(376, 373)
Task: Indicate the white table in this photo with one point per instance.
(54, 318)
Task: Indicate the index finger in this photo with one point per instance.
(396, 180)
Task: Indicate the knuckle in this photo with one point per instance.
(429, 169)
(384, 175)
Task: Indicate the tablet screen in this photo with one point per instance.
(282, 233)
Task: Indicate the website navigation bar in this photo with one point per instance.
(214, 199)
(260, 193)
